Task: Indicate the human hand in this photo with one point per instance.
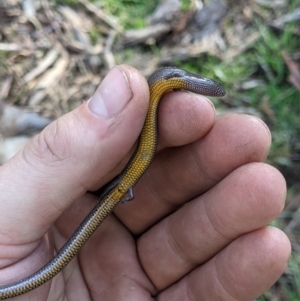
(197, 228)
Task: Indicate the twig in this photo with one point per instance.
(108, 56)
(101, 15)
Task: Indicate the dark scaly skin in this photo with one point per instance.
(161, 81)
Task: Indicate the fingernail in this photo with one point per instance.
(112, 95)
(265, 125)
(210, 102)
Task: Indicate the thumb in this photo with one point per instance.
(78, 152)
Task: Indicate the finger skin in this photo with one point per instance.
(246, 200)
(74, 154)
(244, 270)
(179, 174)
(183, 117)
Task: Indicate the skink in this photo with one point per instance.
(163, 80)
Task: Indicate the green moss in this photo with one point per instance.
(131, 13)
(186, 5)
